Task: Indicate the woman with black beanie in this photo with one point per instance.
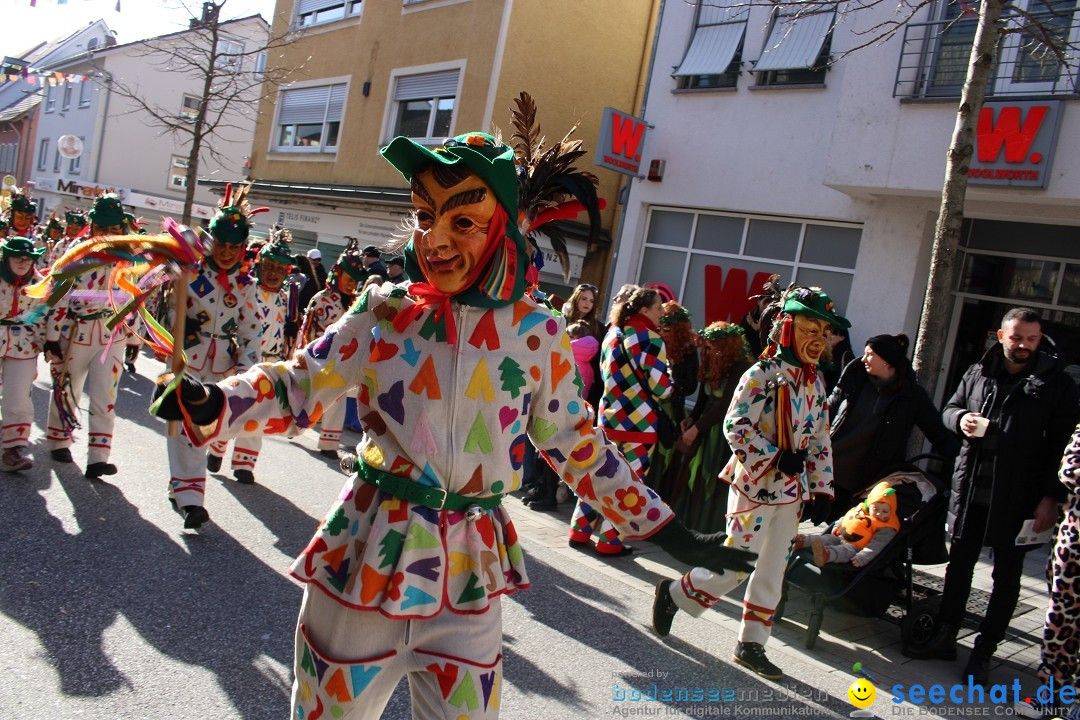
(874, 407)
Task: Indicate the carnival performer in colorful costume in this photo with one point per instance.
(84, 352)
(22, 337)
(456, 373)
(327, 307)
(22, 214)
(276, 310)
(220, 339)
(778, 429)
(635, 372)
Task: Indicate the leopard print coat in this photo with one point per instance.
(1061, 636)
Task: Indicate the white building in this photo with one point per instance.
(833, 177)
(123, 150)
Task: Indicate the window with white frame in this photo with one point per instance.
(43, 154)
(75, 163)
(714, 55)
(8, 154)
(260, 63)
(50, 97)
(714, 261)
(316, 12)
(178, 168)
(309, 119)
(66, 103)
(84, 93)
(797, 51)
(229, 56)
(57, 159)
(189, 107)
(424, 104)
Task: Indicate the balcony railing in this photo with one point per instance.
(934, 60)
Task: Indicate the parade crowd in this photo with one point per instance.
(717, 441)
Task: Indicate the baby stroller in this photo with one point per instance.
(922, 504)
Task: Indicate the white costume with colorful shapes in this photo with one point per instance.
(226, 342)
(22, 333)
(272, 312)
(449, 416)
(325, 308)
(94, 356)
(764, 504)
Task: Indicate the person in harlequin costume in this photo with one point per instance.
(276, 311)
(22, 335)
(79, 345)
(220, 338)
(455, 373)
(632, 354)
(863, 532)
(778, 429)
(325, 308)
(53, 233)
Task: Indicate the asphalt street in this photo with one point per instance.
(109, 609)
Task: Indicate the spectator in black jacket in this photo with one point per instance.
(874, 407)
(1016, 409)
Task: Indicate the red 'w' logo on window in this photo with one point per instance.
(1009, 132)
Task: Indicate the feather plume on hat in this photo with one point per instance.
(550, 188)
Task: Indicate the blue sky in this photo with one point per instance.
(25, 26)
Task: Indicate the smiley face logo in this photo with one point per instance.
(861, 694)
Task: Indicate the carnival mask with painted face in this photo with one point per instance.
(810, 338)
(453, 216)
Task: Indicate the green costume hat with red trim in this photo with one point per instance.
(108, 211)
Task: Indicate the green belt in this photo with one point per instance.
(13, 322)
(92, 316)
(418, 494)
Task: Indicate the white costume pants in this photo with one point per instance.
(768, 530)
(348, 662)
(187, 463)
(98, 370)
(16, 406)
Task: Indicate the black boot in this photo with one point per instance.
(663, 608)
(94, 471)
(978, 664)
(752, 655)
(942, 645)
(194, 516)
(213, 462)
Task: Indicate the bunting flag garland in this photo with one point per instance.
(13, 71)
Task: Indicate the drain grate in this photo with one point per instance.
(927, 585)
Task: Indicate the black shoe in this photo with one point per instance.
(329, 454)
(213, 463)
(543, 505)
(194, 516)
(61, 455)
(978, 665)
(580, 544)
(942, 645)
(96, 470)
(663, 609)
(244, 477)
(130, 367)
(752, 655)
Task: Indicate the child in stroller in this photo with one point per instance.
(921, 507)
(863, 532)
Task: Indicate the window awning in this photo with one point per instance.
(711, 50)
(795, 42)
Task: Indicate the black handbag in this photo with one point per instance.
(666, 432)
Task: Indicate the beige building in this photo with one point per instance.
(430, 69)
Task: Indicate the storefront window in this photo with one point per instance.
(1008, 277)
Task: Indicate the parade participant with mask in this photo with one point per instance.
(778, 429)
(326, 308)
(87, 353)
(22, 214)
(22, 335)
(220, 339)
(455, 374)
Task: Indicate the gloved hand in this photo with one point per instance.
(818, 508)
(707, 551)
(202, 402)
(52, 347)
(290, 329)
(791, 462)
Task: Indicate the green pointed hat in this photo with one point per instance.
(108, 211)
(813, 301)
(20, 247)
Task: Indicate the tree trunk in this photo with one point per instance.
(930, 343)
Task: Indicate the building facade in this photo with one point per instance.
(432, 69)
(124, 150)
(774, 160)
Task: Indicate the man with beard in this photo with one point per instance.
(1016, 409)
(275, 313)
(220, 339)
(778, 429)
(79, 344)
